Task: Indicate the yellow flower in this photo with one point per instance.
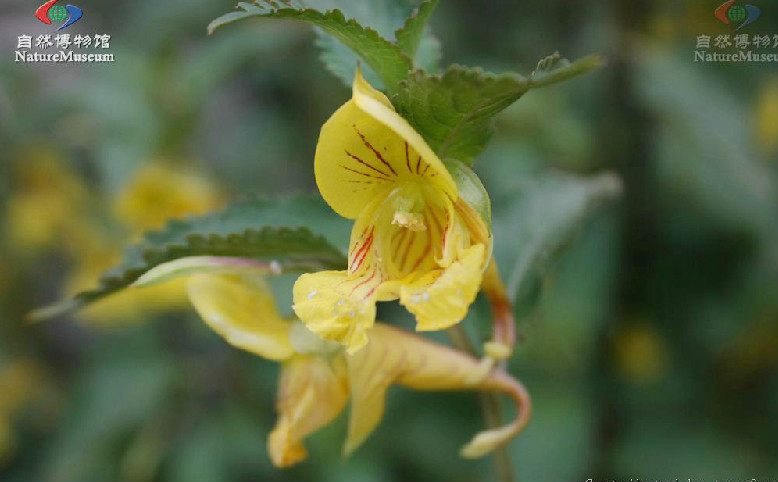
(47, 197)
(414, 238)
(318, 376)
(766, 117)
(20, 382)
(160, 191)
(641, 353)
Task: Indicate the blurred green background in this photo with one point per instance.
(649, 344)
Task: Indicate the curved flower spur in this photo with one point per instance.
(318, 377)
(415, 238)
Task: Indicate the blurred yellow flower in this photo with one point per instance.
(641, 353)
(19, 381)
(318, 376)
(414, 238)
(766, 118)
(160, 191)
(47, 198)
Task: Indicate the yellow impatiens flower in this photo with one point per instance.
(319, 377)
(160, 191)
(415, 239)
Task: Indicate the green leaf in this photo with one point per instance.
(254, 229)
(471, 189)
(410, 35)
(381, 15)
(215, 265)
(384, 16)
(454, 111)
(556, 68)
(382, 56)
(543, 217)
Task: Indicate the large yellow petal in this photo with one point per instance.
(336, 306)
(378, 106)
(441, 299)
(371, 371)
(243, 311)
(366, 150)
(396, 356)
(313, 390)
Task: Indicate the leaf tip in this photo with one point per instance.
(52, 311)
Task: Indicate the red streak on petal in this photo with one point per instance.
(428, 247)
(363, 282)
(363, 251)
(407, 159)
(411, 239)
(359, 160)
(375, 151)
(363, 173)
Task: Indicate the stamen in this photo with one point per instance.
(411, 221)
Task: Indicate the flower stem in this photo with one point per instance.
(490, 406)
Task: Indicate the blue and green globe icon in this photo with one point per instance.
(50, 13)
(737, 13)
(58, 14)
(731, 12)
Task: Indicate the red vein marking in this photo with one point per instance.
(407, 159)
(437, 221)
(401, 240)
(375, 151)
(365, 243)
(364, 250)
(427, 249)
(418, 163)
(423, 255)
(445, 231)
(404, 258)
(426, 218)
(396, 233)
(366, 280)
(356, 158)
(435, 225)
(403, 232)
(425, 169)
(372, 290)
(363, 173)
(337, 285)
